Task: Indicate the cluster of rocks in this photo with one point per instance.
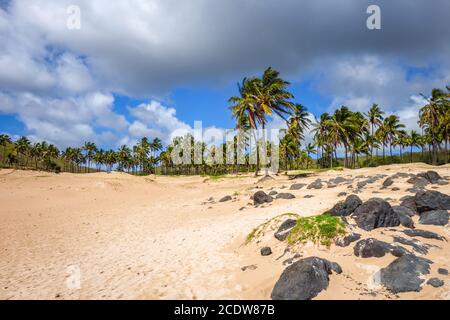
(375, 213)
(319, 183)
(306, 278)
(421, 180)
(369, 180)
(260, 197)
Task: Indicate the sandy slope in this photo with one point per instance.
(155, 238)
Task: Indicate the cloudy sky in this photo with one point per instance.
(148, 67)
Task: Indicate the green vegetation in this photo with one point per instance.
(322, 229)
(361, 137)
(262, 228)
(313, 170)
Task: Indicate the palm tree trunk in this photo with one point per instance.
(266, 170)
(257, 153)
(345, 159)
(411, 153)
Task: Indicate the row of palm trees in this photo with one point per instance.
(353, 135)
(141, 158)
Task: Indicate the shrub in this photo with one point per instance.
(322, 229)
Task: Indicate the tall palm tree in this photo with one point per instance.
(23, 145)
(5, 140)
(401, 140)
(36, 153)
(90, 148)
(261, 98)
(155, 146)
(413, 140)
(342, 126)
(394, 128)
(110, 159)
(124, 157)
(431, 117)
(310, 149)
(143, 149)
(320, 131)
(375, 118)
(299, 121)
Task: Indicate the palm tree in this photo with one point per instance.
(360, 146)
(310, 149)
(299, 121)
(392, 127)
(99, 158)
(401, 140)
(124, 157)
(357, 130)
(36, 153)
(155, 146)
(90, 149)
(5, 140)
(320, 131)
(413, 140)
(387, 132)
(375, 118)
(262, 98)
(143, 149)
(342, 125)
(290, 149)
(23, 148)
(110, 159)
(431, 117)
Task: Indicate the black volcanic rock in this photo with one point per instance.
(388, 182)
(315, 185)
(432, 200)
(304, 279)
(431, 176)
(261, 197)
(285, 196)
(266, 251)
(435, 217)
(409, 202)
(403, 274)
(347, 240)
(284, 229)
(423, 233)
(435, 282)
(371, 248)
(346, 207)
(225, 199)
(297, 186)
(375, 213)
(404, 210)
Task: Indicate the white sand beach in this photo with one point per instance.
(161, 238)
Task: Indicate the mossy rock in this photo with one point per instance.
(321, 229)
(271, 225)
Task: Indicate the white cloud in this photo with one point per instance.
(60, 82)
(155, 120)
(65, 122)
(360, 81)
(73, 75)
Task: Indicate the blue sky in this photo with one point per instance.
(149, 68)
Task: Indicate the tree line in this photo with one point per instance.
(344, 138)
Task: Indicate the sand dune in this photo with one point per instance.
(160, 238)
